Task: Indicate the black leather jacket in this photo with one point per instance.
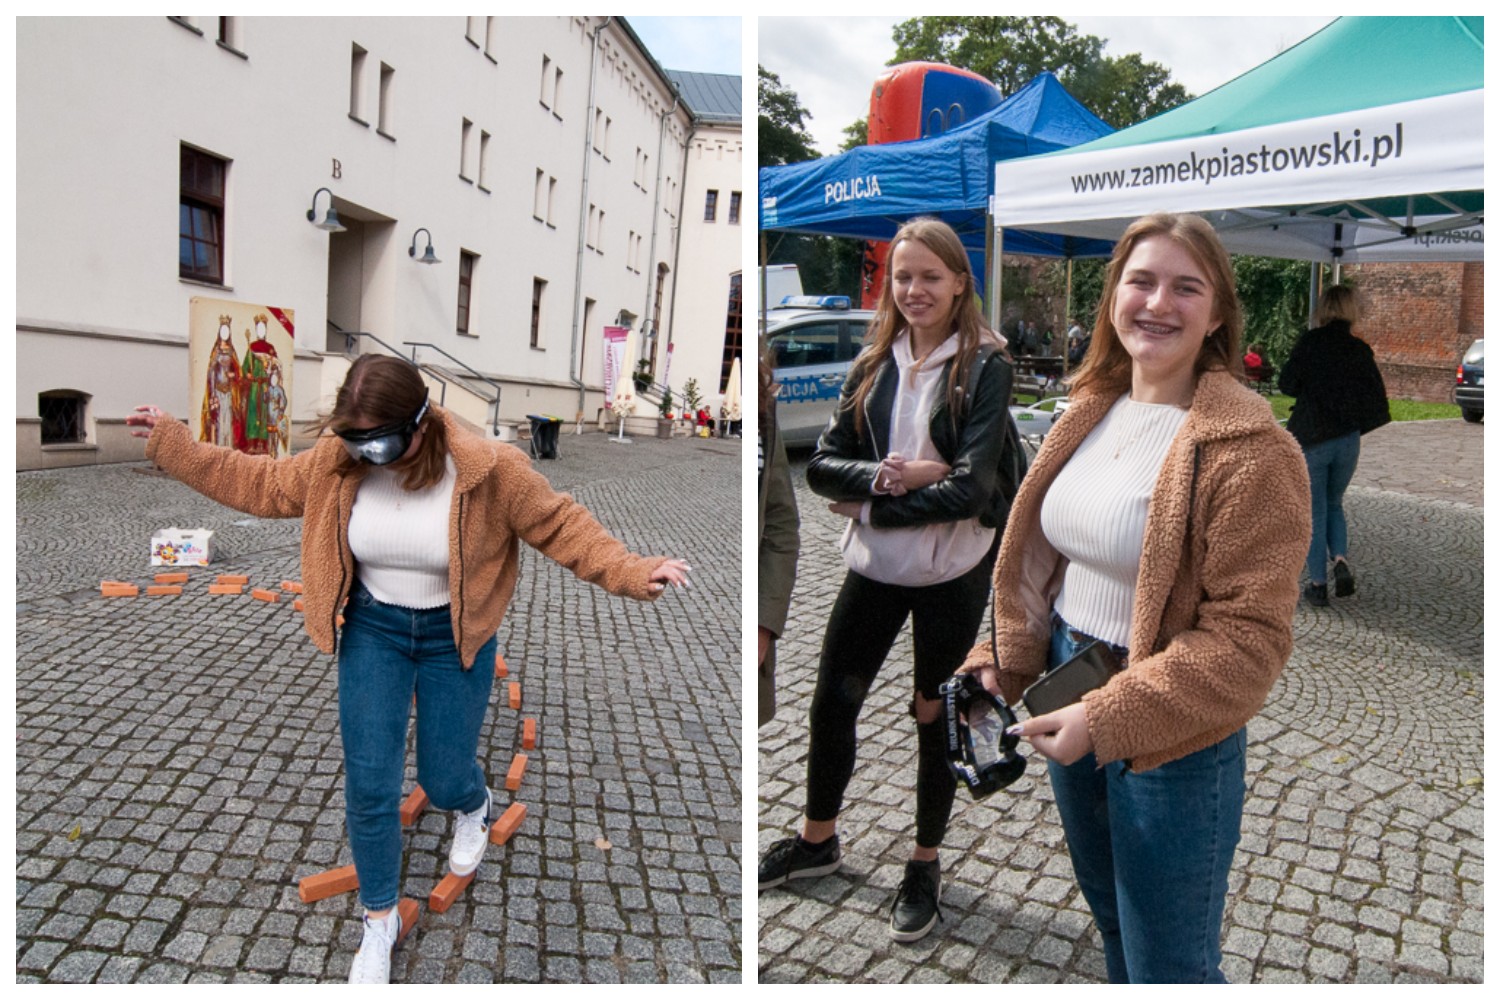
(981, 446)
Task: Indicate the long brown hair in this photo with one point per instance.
(939, 237)
(385, 389)
(1106, 366)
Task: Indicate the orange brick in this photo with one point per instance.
(232, 578)
(501, 670)
(517, 768)
(163, 590)
(528, 734)
(507, 824)
(269, 596)
(413, 806)
(447, 891)
(225, 588)
(171, 578)
(329, 883)
(291, 586)
(515, 694)
(409, 909)
(112, 589)
(297, 604)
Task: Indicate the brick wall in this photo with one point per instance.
(1419, 319)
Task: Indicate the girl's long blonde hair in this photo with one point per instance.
(939, 237)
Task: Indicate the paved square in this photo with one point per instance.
(1362, 856)
(179, 769)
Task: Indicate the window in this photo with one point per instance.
(484, 156)
(538, 286)
(591, 235)
(229, 34)
(733, 329)
(547, 91)
(599, 242)
(734, 208)
(62, 414)
(200, 217)
(551, 199)
(387, 80)
(471, 30)
(356, 85)
(490, 41)
(598, 131)
(539, 199)
(556, 93)
(463, 151)
(661, 283)
(465, 287)
(551, 87)
(711, 206)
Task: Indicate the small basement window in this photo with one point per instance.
(63, 414)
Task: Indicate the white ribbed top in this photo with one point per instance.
(1095, 514)
(400, 538)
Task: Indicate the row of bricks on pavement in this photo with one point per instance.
(341, 880)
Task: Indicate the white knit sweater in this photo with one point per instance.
(400, 538)
(1094, 514)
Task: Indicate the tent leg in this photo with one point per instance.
(994, 249)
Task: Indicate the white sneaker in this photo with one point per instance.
(372, 964)
(471, 835)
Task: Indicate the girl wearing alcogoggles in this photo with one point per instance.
(436, 511)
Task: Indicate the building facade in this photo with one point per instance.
(546, 161)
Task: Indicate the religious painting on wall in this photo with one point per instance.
(240, 375)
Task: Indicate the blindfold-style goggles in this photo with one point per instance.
(981, 754)
(383, 445)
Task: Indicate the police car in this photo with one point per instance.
(812, 340)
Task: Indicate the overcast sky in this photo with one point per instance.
(694, 44)
(831, 63)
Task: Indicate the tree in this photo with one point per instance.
(856, 135)
(1009, 51)
(783, 136)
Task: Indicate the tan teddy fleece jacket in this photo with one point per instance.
(499, 500)
(1227, 531)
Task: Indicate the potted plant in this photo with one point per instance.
(642, 375)
(691, 401)
(664, 424)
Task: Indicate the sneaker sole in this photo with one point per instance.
(907, 937)
(827, 869)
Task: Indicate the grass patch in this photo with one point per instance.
(1401, 409)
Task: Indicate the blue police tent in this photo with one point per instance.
(868, 192)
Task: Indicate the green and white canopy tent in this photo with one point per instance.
(1364, 142)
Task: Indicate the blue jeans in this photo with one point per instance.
(1330, 467)
(386, 653)
(1152, 851)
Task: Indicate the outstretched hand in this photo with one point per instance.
(144, 417)
(673, 571)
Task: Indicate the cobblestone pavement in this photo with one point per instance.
(178, 764)
(1362, 853)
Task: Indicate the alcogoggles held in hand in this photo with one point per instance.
(980, 752)
(383, 445)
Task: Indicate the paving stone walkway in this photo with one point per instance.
(178, 763)
(1362, 855)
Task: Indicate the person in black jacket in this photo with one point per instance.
(1340, 396)
(923, 458)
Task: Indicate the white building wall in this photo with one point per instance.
(104, 104)
(715, 162)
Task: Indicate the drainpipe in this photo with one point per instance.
(575, 361)
(661, 144)
(687, 147)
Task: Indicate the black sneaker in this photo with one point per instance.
(796, 858)
(1343, 579)
(1316, 594)
(915, 911)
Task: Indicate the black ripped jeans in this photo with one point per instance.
(862, 628)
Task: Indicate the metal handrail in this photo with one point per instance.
(495, 420)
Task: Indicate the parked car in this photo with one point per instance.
(1036, 420)
(1468, 390)
(812, 341)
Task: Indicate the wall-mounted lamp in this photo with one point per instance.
(331, 220)
(428, 257)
